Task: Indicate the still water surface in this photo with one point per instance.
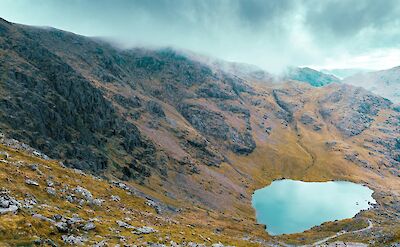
(288, 206)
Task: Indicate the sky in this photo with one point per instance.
(272, 34)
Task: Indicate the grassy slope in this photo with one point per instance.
(22, 228)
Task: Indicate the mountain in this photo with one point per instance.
(313, 77)
(385, 82)
(194, 139)
(343, 73)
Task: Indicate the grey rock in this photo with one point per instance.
(144, 230)
(29, 202)
(8, 204)
(50, 183)
(31, 182)
(124, 224)
(89, 226)
(58, 217)
(100, 244)
(34, 167)
(61, 226)
(115, 198)
(74, 220)
(5, 154)
(191, 244)
(84, 193)
(70, 199)
(73, 240)
(44, 218)
(96, 202)
(51, 191)
(10, 209)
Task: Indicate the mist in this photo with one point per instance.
(270, 34)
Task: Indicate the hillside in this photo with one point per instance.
(44, 203)
(313, 77)
(192, 137)
(385, 82)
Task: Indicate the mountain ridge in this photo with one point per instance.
(384, 82)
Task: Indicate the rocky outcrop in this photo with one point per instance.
(214, 125)
(8, 204)
(358, 109)
(155, 108)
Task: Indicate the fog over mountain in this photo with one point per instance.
(158, 122)
(270, 34)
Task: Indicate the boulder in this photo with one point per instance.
(31, 182)
(89, 226)
(8, 204)
(73, 240)
(144, 230)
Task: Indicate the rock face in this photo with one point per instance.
(359, 107)
(42, 94)
(66, 89)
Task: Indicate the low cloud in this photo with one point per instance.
(271, 34)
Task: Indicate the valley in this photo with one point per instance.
(193, 139)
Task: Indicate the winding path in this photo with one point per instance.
(370, 225)
(322, 241)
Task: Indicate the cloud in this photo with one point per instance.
(343, 19)
(270, 33)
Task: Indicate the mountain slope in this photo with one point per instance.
(385, 83)
(192, 136)
(313, 77)
(43, 206)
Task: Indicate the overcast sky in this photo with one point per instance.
(269, 33)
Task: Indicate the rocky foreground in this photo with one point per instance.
(44, 203)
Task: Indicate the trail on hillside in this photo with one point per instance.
(323, 241)
(299, 136)
(306, 150)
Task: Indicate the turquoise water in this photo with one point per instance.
(288, 206)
